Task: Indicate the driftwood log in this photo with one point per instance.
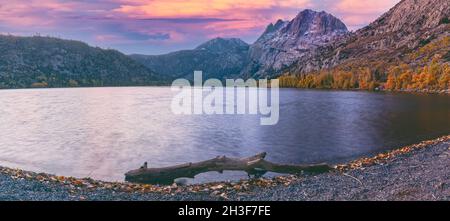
(255, 165)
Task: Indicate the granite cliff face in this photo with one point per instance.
(409, 17)
(284, 43)
(408, 25)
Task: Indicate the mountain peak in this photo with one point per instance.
(271, 29)
(274, 27)
(223, 44)
(284, 43)
(309, 22)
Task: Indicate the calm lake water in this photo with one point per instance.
(104, 132)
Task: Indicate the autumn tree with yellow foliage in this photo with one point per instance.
(430, 71)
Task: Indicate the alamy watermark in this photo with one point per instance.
(237, 97)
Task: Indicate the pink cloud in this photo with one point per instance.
(34, 12)
(202, 8)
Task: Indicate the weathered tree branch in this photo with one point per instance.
(252, 165)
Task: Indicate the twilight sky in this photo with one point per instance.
(161, 26)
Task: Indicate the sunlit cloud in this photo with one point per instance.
(159, 26)
(202, 8)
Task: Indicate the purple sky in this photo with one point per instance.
(161, 26)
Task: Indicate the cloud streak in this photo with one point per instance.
(159, 26)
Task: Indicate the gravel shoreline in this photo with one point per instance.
(416, 172)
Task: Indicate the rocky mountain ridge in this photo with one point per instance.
(407, 26)
(217, 58)
(284, 43)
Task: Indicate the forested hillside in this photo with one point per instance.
(51, 62)
(424, 69)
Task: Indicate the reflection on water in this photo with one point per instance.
(104, 132)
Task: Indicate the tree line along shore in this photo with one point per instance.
(427, 69)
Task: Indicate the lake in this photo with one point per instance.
(104, 132)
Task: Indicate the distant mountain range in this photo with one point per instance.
(310, 42)
(217, 58)
(313, 41)
(281, 45)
